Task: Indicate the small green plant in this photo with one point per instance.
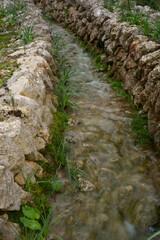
(129, 14)
(21, 5)
(154, 235)
(56, 185)
(12, 101)
(37, 226)
(156, 30)
(66, 89)
(57, 149)
(139, 127)
(66, 11)
(119, 87)
(27, 34)
(73, 172)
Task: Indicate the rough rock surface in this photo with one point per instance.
(24, 125)
(135, 59)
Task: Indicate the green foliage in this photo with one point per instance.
(119, 87)
(139, 19)
(30, 212)
(110, 4)
(155, 4)
(9, 68)
(56, 185)
(156, 31)
(73, 172)
(27, 34)
(31, 224)
(38, 230)
(154, 235)
(129, 14)
(66, 90)
(98, 61)
(57, 149)
(139, 127)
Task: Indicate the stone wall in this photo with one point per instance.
(135, 59)
(24, 124)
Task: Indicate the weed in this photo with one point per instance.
(156, 32)
(27, 34)
(12, 101)
(149, 27)
(119, 87)
(56, 185)
(109, 4)
(73, 172)
(65, 26)
(46, 167)
(154, 235)
(66, 90)
(57, 149)
(139, 127)
(8, 69)
(98, 61)
(37, 226)
(21, 5)
(3, 11)
(66, 11)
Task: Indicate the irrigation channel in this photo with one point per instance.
(119, 200)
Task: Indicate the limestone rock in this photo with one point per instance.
(6, 230)
(11, 194)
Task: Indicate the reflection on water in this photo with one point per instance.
(119, 200)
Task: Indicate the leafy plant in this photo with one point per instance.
(37, 229)
(30, 214)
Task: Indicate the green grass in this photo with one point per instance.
(139, 123)
(139, 126)
(154, 235)
(142, 21)
(73, 172)
(66, 90)
(9, 68)
(129, 14)
(27, 34)
(57, 149)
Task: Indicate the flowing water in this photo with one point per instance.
(119, 200)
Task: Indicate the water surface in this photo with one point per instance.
(118, 200)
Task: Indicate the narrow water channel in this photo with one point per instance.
(118, 200)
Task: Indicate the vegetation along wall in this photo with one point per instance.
(133, 57)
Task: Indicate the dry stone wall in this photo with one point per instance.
(135, 59)
(24, 125)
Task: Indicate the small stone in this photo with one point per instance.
(19, 179)
(129, 188)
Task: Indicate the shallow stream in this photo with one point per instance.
(118, 200)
